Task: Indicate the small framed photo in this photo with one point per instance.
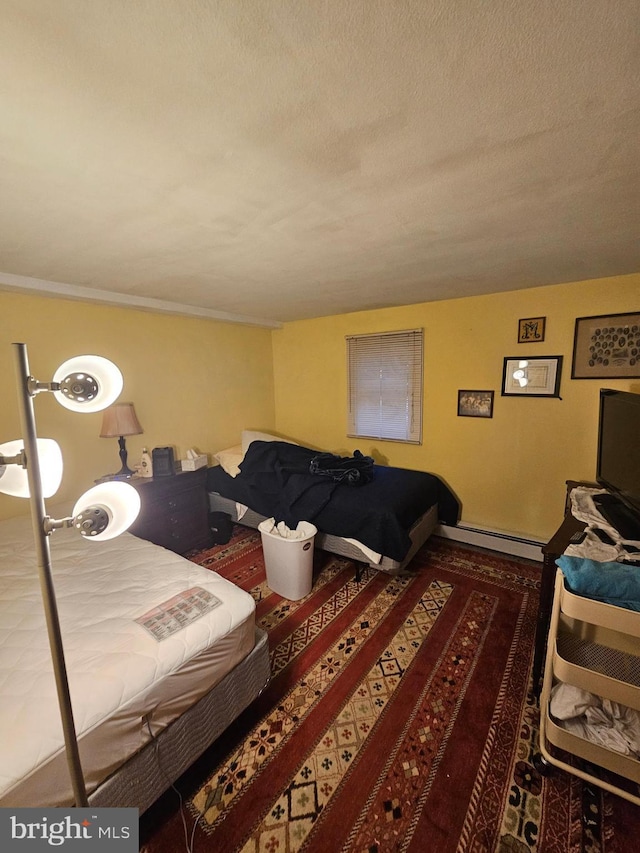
(607, 347)
(531, 330)
(475, 404)
(535, 376)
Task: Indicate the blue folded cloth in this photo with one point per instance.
(613, 583)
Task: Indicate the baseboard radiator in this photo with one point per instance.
(494, 540)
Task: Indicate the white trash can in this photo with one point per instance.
(288, 557)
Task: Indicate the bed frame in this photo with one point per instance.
(419, 533)
(148, 773)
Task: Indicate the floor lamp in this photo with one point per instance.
(82, 384)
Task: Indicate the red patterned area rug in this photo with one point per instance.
(398, 718)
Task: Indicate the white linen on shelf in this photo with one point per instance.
(592, 547)
(602, 721)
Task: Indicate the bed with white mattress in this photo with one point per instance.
(161, 656)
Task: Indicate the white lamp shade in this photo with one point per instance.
(121, 501)
(14, 479)
(103, 388)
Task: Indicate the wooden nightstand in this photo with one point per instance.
(174, 511)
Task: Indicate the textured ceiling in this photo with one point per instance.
(282, 160)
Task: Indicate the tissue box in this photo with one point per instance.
(196, 462)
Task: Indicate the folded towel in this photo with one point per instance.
(612, 582)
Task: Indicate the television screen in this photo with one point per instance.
(618, 464)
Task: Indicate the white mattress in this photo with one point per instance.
(119, 673)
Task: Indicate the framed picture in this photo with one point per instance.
(607, 347)
(534, 376)
(531, 330)
(475, 404)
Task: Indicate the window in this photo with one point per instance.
(385, 386)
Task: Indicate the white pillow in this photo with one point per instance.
(249, 435)
(230, 459)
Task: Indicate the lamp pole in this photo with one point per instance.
(43, 553)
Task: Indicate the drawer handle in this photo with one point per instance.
(172, 504)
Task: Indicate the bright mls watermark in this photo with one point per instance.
(80, 830)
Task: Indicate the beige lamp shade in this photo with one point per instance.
(118, 420)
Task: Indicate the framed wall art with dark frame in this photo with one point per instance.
(531, 330)
(475, 404)
(607, 346)
(534, 376)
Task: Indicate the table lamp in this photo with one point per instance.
(118, 421)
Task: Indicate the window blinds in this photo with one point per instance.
(385, 385)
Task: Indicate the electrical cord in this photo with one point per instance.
(188, 841)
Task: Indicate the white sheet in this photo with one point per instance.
(118, 673)
(592, 547)
(599, 720)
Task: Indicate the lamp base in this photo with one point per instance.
(125, 472)
(109, 478)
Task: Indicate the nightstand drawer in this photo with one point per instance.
(170, 504)
(174, 511)
(178, 532)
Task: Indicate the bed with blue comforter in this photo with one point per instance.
(391, 511)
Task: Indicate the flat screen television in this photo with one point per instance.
(618, 463)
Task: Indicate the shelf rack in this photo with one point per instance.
(594, 646)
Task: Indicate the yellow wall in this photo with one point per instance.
(509, 471)
(194, 383)
(200, 382)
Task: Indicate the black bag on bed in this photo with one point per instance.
(353, 470)
(221, 527)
